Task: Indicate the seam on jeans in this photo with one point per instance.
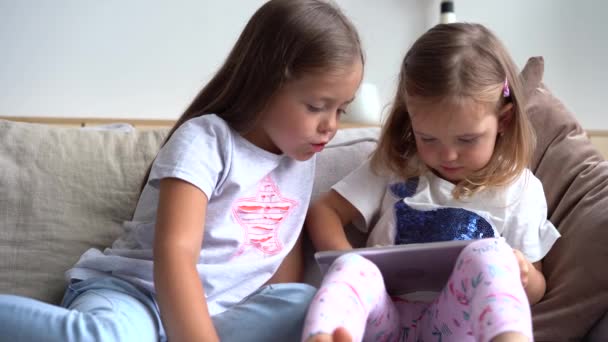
(96, 292)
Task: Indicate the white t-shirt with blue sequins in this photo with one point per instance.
(422, 209)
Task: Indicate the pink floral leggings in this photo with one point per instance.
(483, 298)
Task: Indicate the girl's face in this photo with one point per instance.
(303, 114)
(455, 140)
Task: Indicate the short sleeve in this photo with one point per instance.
(195, 153)
(527, 228)
(365, 190)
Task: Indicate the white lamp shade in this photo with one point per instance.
(365, 109)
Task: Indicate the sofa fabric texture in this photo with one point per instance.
(63, 191)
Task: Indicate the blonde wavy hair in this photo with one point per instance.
(454, 63)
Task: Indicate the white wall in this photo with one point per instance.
(147, 59)
(571, 35)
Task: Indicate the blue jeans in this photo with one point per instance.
(110, 309)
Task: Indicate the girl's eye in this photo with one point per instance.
(314, 109)
(341, 111)
(467, 140)
(427, 140)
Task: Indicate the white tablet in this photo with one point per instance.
(407, 268)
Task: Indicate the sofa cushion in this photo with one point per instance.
(349, 148)
(64, 190)
(575, 179)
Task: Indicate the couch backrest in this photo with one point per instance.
(64, 190)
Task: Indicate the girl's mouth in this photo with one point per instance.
(318, 147)
(450, 169)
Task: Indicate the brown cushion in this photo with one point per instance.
(575, 179)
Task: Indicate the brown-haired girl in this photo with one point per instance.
(451, 164)
(222, 207)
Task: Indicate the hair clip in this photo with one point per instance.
(506, 92)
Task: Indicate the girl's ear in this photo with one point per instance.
(504, 117)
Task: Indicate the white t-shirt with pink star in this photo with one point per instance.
(256, 209)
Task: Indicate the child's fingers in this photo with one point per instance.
(524, 266)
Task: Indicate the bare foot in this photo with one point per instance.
(511, 337)
(339, 335)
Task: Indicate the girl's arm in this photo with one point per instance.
(177, 243)
(326, 219)
(532, 278)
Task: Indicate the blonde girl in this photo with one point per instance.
(451, 164)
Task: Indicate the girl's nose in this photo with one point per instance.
(329, 123)
(448, 154)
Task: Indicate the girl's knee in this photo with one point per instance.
(354, 261)
(352, 264)
(354, 268)
(487, 246)
(479, 254)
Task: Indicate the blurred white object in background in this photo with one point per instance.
(447, 14)
(365, 109)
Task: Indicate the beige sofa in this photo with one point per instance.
(63, 190)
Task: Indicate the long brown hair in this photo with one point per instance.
(282, 41)
(452, 63)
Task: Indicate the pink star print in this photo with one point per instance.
(261, 216)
